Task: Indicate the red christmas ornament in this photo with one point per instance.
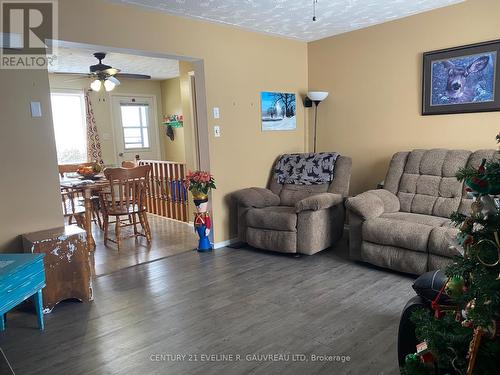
(424, 353)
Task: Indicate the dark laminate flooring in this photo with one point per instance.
(229, 302)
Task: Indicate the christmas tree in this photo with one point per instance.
(461, 337)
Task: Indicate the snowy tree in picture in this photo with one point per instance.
(278, 111)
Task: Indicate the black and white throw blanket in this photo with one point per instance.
(306, 169)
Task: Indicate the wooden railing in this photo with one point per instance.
(167, 195)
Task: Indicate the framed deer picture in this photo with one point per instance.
(462, 79)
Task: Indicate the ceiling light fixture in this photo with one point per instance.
(314, 10)
(109, 84)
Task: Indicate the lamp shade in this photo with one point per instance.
(110, 83)
(96, 85)
(317, 96)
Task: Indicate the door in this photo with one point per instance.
(135, 128)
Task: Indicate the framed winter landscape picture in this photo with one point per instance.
(462, 79)
(278, 111)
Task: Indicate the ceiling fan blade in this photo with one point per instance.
(71, 74)
(133, 76)
(75, 79)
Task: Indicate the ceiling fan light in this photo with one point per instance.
(96, 85)
(109, 84)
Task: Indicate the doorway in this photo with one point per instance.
(135, 127)
(130, 121)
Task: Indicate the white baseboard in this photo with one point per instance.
(218, 245)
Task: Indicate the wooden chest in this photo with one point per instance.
(21, 276)
(67, 265)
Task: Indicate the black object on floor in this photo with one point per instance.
(407, 340)
(5, 367)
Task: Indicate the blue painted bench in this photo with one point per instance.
(21, 276)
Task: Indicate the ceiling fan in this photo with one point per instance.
(107, 76)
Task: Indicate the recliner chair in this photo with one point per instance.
(405, 226)
(292, 218)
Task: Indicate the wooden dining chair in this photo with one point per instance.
(128, 164)
(71, 206)
(96, 212)
(126, 197)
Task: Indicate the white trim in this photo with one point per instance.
(221, 244)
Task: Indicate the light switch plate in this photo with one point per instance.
(217, 131)
(36, 109)
(216, 112)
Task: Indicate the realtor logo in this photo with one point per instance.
(26, 27)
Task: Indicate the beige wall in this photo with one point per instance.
(238, 65)
(374, 79)
(172, 105)
(29, 184)
(101, 104)
(190, 149)
(177, 99)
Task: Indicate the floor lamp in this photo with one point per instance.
(316, 97)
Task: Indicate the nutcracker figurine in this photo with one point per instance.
(202, 224)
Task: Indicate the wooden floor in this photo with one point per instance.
(170, 237)
(229, 302)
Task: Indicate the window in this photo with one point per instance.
(70, 129)
(135, 125)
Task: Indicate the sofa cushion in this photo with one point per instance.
(433, 221)
(440, 241)
(397, 233)
(256, 197)
(291, 194)
(428, 186)
(412, 231)
(437, 262)
(275, 217)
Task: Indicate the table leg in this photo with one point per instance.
(88, 219)
(39, 309)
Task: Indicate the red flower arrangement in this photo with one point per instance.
(200, 182)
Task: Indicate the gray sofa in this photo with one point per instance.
(405, 226)
(293, 218)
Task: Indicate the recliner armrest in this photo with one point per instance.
(256, 197)
(318, 202)
(373, 203)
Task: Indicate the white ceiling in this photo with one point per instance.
(76, 60)
(293, 18)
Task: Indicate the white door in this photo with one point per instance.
(135, 127)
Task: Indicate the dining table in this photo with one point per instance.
(88, 188)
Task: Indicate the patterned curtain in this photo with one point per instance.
(94, 152)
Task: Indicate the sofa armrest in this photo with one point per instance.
(373, 203)
(256, 197)
(318, 202)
